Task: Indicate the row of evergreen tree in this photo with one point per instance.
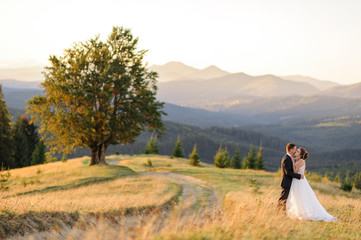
(20, 144)
(222, 159)
(254, 160)
(152, 148)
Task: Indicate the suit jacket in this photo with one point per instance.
(287, 172)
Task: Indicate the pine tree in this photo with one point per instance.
(6, 145)
(337, 178)
(260, 163)
(226, 157)
(31, 133)
(26, 138)
(148, 148)
(218, 158)
(152, 146)
(38, 156)
(250, 160)
(236, 160)
(178, 150)
(21, 147)
(155, 149)
(194, 159)
(358, 181)
(221, 160)
(346, 184)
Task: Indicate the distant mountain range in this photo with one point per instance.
(17, 84)
(231, 99)
(174, 71)
(31, 73)
(16, 97)
(321, 85)
(214, 89)
(297, 108)
(348, 91)
(178, 71)
(228, 88)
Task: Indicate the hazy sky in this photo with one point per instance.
(318, 38)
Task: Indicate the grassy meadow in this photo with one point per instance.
(73, 188)
(48, 195)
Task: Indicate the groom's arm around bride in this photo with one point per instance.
(287, 165)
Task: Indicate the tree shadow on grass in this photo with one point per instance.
(116, 172)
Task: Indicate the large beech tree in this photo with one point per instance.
(97, 94)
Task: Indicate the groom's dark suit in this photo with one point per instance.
(287, 175)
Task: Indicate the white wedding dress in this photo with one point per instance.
(302, 202)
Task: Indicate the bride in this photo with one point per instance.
(302, 202)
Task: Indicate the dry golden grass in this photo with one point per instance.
(249, 215)
(60, 175)
(254, 216)
(130, 192)
(40, 197)
(75, 187)
(139, 162)
(248, 211)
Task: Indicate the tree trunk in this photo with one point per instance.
(98, 154)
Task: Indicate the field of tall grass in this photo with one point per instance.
(69, 189)
(249, 205)
(64, 191)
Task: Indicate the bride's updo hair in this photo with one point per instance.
(303, 153)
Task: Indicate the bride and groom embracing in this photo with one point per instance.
(297, 197)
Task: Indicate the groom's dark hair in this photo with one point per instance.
(290, 146)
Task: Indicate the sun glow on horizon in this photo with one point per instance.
(319, 39)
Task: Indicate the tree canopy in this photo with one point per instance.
(98, 93)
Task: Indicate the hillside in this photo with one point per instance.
(198, 94)
(17, 84)
(61, 195)
(14, 112)
(296, 108)
(176, 70)
(112, 202)
(236, 111)
(348, 91)
(204, 118)
(324, 133)
(16, 101)
(16, 98)
(30, 73)
(321, 85)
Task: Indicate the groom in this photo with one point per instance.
(287, 175)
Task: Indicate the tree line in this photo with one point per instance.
(20, 144)
(222, 159)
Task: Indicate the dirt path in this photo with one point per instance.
(197, 206)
